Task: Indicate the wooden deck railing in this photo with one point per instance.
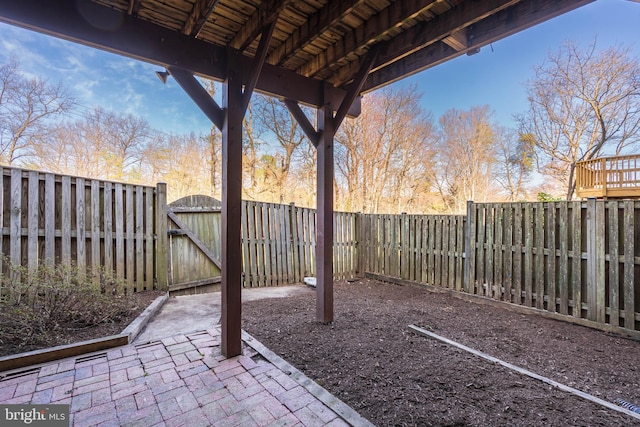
(609, 177)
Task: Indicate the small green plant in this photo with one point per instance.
(39, 302)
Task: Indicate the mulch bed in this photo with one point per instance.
(67, 334)
(392, 376)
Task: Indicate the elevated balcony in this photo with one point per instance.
(609, 177)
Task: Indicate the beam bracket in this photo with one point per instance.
(258, 62)
(199, 95)
(303, 121)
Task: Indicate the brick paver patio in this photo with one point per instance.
(182, 380)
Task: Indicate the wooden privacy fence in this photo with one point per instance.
(91, 224)
(278, 244)
(574, 258)
(580, 259)
(422, 248)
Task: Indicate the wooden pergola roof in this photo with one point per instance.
(321, 53)
(313, 42)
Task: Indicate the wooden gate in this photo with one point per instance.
(194, 224)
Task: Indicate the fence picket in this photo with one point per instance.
(148, 248)
(129, 238)
(539, 254)
(32, 220)
(15, 230)
(629, 264)
(81, 227)
(576, 263)
(528, 255)
(563, 261)
(489, 252)
(49, 220)
(551, 257)
(498, 253)
(614, 264)
(139, 237)
(508, 252)
(95, 231)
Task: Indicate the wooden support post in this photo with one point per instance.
(324, 244)
(232, 97)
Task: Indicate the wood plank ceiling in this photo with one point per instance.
(314, 41)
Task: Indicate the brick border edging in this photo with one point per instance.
(36, 357)
(137, 326)
(343, 410)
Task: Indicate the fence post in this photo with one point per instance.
(469, 253)
(595, 261)
(161, 237)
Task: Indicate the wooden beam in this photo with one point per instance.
(457, 40)
(266, 13)
(101, 27)
(197, 19)
(231, 319)
(495, 27)
(258, 62)
(199, 95)
(427, 33)
(370, 32)
(356, 86)
(134, 7)
(324, 212)
(330, 14)
(303, 121)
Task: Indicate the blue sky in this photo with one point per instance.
(495, 76)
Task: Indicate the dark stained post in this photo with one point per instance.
(324, 229)
(231, 211)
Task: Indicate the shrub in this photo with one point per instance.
(36, 304)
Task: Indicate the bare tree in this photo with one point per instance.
(277, 122)
(466, 157)
(181, 161)
(583, 103)
(28, 107)
(383, 158)
(515, 161)
(102, 144)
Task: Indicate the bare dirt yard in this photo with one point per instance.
(392, 376)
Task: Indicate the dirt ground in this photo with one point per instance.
(392, 376)
(67, 334)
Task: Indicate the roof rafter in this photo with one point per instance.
(134, 7)
(91, 24)
(458, 39)
(504, 23)
(197, 19)
(330, 14)
(367, 34)
(427, 33)
(265, 14)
